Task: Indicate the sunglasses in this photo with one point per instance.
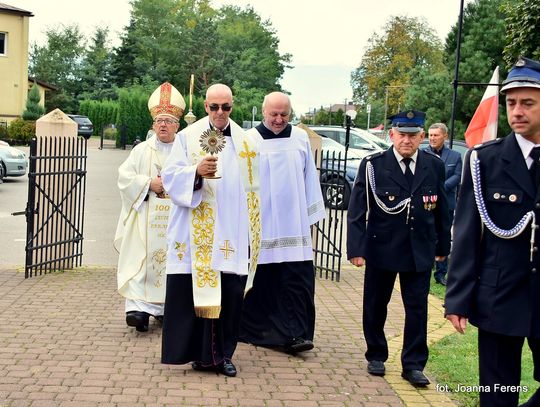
(214, 107)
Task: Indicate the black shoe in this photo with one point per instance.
(415, 377)
(138, 319)
(227, 368)
(441, 281)
(202, 368)
(299, 345)
(376, 368)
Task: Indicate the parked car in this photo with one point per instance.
(358, 139)
(13, 162)
(381, 142)
(85, 127)
(337, 176)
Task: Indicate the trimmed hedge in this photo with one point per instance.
(101, 113)
(22, 131)
(133, 116)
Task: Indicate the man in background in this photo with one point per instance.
(438, 135)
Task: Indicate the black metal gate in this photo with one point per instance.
(55, 207)
(328, 234)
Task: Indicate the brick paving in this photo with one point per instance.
(64, 342)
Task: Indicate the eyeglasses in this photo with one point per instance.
(214, 107)
(165, 121)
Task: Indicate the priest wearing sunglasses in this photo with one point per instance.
(214, 228)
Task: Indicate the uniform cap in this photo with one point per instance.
(524, 74)
(408, 121)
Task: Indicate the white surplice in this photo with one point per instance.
(139, 239)
(291, 197)
(231, 238)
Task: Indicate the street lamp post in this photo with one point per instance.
(368, 110)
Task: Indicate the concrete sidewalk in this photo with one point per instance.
(64, 342)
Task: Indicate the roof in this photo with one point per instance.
(41, 83)
(14, 10)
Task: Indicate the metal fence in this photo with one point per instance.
(328, 234)
(55, 207)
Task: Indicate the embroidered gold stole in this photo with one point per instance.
(206, 280)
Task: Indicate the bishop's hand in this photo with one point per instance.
(156, 185)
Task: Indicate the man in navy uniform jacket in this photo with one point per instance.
(493, 279)
(399, 223)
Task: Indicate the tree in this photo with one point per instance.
(167, 40)
(248, 50)
(390, 59)
(431, 92)
(123, 71)
(59, 63)
(33, 109)
(523, 34)
(96, 68)
(172, 39)
(483, 39)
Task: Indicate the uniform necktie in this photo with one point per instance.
(535, 166)
(408, 173)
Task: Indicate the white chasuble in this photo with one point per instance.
(141, 232)
(210, 228)
(291, 197)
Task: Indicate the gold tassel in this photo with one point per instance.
(209, 312)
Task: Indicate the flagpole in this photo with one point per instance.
(456, 73)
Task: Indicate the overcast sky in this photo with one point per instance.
(326, 38)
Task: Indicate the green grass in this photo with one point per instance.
(454, 361)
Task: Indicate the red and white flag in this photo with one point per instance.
(483, 125)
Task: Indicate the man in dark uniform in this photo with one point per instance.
(493, 280)
(399, 223)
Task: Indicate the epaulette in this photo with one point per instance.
(487, 143)
(374, 155)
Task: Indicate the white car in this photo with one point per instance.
(13, 162)
(358, 139)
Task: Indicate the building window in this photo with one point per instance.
(3, 43)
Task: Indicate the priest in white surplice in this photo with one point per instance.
(279, 311)
(214, 227)
(141, 232)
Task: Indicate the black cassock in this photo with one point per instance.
(188, 338)
(280, 307)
